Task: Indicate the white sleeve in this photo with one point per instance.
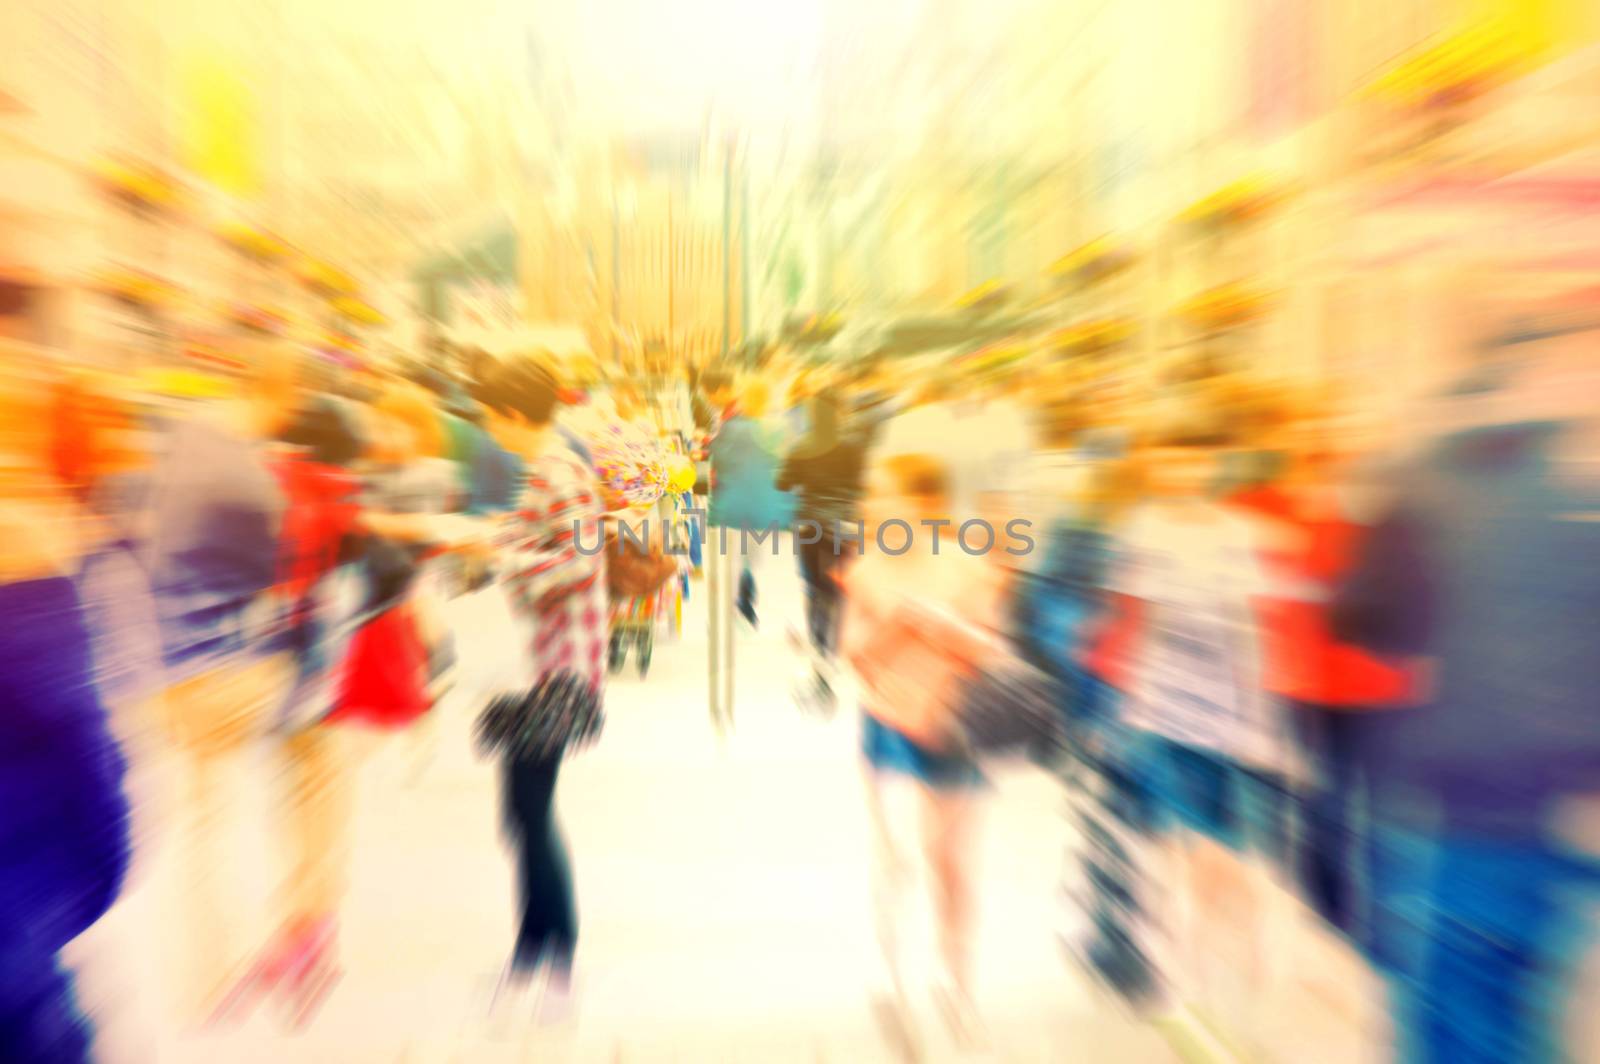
(1128, 572)
(1246, 561)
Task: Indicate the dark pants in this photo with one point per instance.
(1331, 868)
(549, 930)
(820, 564)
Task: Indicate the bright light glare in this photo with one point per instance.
(663, 65)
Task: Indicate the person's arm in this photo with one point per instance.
(865, 634)
(402, 528)
(497, 476)
(792, 472)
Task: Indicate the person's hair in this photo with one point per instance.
(524, 386)
(326, 431)
(800, 387)
(427, 378)
(411, 408)
(919, 476)
(469, 411)
(827, 400)
(476, 363)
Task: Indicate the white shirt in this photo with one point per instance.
(1197, 664)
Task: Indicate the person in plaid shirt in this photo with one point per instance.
(558, 591)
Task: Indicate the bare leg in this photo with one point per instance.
(949, 822)
(949, 832)
(318, 813)
(890, 874)
(213, 950)
(318, 807)
(890, 877)
(211, 718)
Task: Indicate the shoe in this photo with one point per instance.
(299, 966)
(512, 1000)
(803, 692)
(746, 599)
(238, 996)
(311, 972)
(814, 696)
(558, 1004)
(827, 700)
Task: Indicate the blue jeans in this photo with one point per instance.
(1480, 939)
(548, 931)
(887, 749)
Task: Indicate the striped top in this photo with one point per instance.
(558, 589)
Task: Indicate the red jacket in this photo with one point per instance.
(1303, 661)
(321, 510)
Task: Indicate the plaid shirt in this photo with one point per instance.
(559, 590)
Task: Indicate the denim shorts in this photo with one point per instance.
(890, 750)
(1213, 795)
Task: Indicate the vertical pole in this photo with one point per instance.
(719, 584)
(744, 247)
(671, 263)
(727, 250)
(716, 621)
(730, 587)
(616, 274)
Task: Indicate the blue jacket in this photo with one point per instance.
(1489, 564)
(745, 456)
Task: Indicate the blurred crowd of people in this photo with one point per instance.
(191, 581)
(1310, 668)
(1286, 666)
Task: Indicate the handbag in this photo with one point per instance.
(632, 573)
(1012, 709)
(559, 714)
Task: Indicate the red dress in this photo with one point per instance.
(387, 669)
(385, 681)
